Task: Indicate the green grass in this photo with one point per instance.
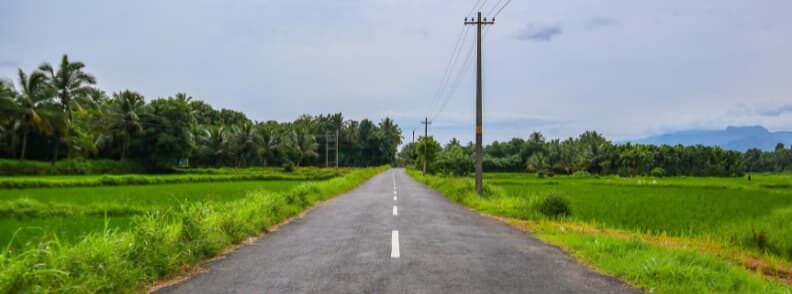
(184, 176)
(730, 212)
(160, 242)
(70, 213)
(660, 269)
(730, 209)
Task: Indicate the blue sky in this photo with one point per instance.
(625, 68)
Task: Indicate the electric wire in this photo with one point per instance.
(501, 9)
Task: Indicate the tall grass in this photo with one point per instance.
(159, 243)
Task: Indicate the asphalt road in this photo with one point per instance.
(359, 243)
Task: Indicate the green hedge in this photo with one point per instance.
(161, 242)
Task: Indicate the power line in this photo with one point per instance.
(451, 64)
(456, 81)
(470, 13)
(501, 9)
(492, 9)
(478, 8)
(453, 61)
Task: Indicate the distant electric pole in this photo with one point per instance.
(412, 152)
(426, 124)
(479, 22)
(328, 148)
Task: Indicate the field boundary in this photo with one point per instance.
(121, 180)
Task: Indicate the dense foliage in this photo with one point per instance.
(591, 153)
(53, 113)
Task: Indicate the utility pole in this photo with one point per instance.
(336, 149)
(426, 124)
(478, 22)
(328, 147)
(412, 152)
(327, 150)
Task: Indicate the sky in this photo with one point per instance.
(625, 68)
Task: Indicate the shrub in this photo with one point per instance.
(657, 172)
(554, 206)
(288, 166)
(581, 173)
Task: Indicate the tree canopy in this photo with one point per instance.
(60, 108)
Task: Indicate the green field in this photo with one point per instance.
(68, 207)
(731, 209)
(667, 235)
(162, 228)
(54, 207)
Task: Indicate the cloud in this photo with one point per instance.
(8, 63)
(538, 32)
(777, 111)
(599, 22)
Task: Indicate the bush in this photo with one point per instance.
(581, 173)
(657, 172)
(554, 206)
(288, 166)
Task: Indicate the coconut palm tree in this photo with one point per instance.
(301, 142)
(70, 82)
(245, 143)
(8, 107)
(125, 110)
(36, 109)
(72, 87)
(213, 144)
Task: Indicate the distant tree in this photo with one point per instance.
(167, 137)
(537, 162)
(455, 161)
(245, 143)
(37, 110)
(232, 117)
(427, 150)
(213, 145)
(72, 85)
(300, 142)
(126, 108)
(593, 152)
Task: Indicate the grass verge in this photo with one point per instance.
(654, 264)
(161, 242)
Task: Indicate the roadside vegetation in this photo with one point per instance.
(164, 240)
(668, 235)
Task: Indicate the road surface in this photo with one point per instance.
(395, 235)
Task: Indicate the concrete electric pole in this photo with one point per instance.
(479, 23)
(426, 124)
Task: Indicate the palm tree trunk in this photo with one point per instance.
(55, 153)
(124, 148)
(24, 145)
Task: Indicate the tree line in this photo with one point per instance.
(54, 113)
(592, 153)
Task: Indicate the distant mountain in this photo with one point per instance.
(733, 138)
